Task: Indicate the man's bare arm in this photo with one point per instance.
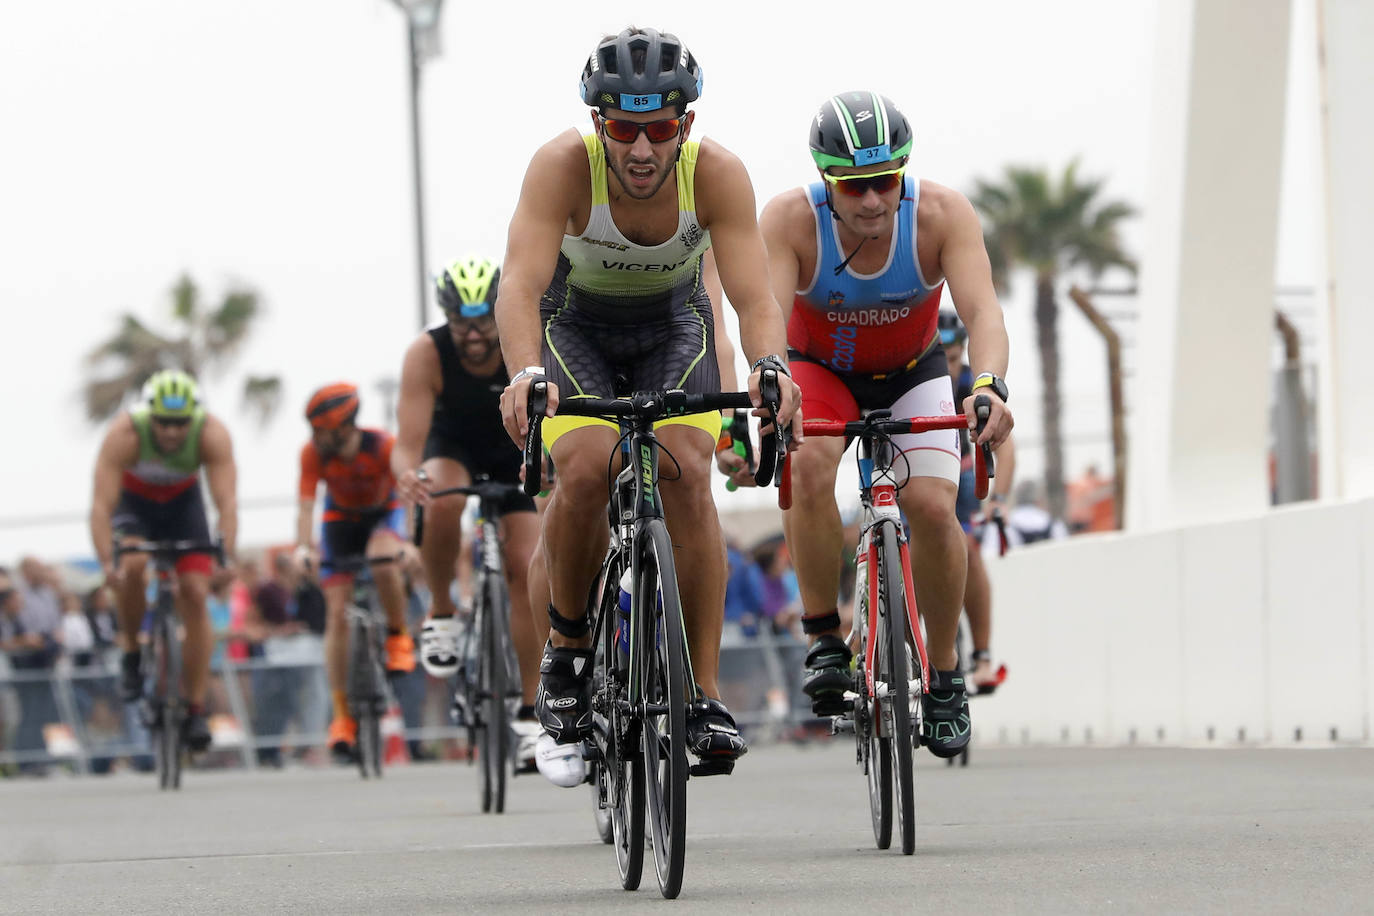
(421, 381)
(217, 451)
(741, 259)
(964, 261)
(778, 225)
(547, 201)
(118, 451)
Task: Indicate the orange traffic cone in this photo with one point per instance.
(394, 748)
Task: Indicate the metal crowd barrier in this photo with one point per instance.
(261, 708)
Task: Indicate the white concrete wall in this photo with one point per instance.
(1347, 36)
(1259, 628)
(1200, 429)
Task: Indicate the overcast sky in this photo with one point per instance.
(266, 142)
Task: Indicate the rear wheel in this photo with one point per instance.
(664, 735)
(603, 685)
(620, 767)
(874, 748)
(892, 588)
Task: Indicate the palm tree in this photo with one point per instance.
(1050, 226)
(202, 340)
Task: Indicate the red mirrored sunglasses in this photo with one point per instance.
(623, 131)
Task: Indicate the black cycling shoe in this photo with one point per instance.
(564, 701)
(828, 676)
(130, 677)
(195, 731)
(945, 727)
(714, 737)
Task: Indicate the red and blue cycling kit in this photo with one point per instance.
(862, 342)
(872, 324)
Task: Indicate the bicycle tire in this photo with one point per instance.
(627, 817)
(495, 732)
(625, 791)
(365, 696)
(172, 712)
(601, 786)
(898, 664)
(663, 663)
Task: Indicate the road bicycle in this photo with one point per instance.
(891, 671)
(164, 702)
(638, 747)
(488, 677)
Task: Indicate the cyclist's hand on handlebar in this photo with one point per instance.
(515, 410)
(789, 410)
(735, 467)
(414, 486)
(790, 395)
(304, 559)
(1000, 420)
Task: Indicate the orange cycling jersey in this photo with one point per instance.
(363, 483)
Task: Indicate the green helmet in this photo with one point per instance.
(468, 286)
(171, 393)
(859, 128)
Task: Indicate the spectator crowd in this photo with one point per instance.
(269, 622)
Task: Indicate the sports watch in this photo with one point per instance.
(528, 371)
(988, 380)
(773, 361)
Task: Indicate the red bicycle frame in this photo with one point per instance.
(880, 500)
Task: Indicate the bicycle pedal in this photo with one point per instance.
(712, 768)
(839, 725)
(591, 752)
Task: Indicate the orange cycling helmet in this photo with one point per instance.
(333, 406)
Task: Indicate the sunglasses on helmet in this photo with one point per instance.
(623, 131)
(859, 185)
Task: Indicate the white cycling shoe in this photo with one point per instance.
(527, 732)
(561, 764)
(439, 646)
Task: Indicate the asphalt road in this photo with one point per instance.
(1020, 830)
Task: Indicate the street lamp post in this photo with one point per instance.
(422, 19)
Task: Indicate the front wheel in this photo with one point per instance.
(367, 694)
(493, 735)
(171, 710)
(895, 669)
(662, 655)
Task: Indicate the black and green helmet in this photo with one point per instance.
(859, 128)
(641, 70)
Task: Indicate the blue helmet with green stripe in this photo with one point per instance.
(641, 70)
(859, 128)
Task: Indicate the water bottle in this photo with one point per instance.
(622, 637)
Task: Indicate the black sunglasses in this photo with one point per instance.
(172, 421)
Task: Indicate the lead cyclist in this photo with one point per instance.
(602, 296)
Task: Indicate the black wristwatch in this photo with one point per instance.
(988, 380)
(774, 361)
